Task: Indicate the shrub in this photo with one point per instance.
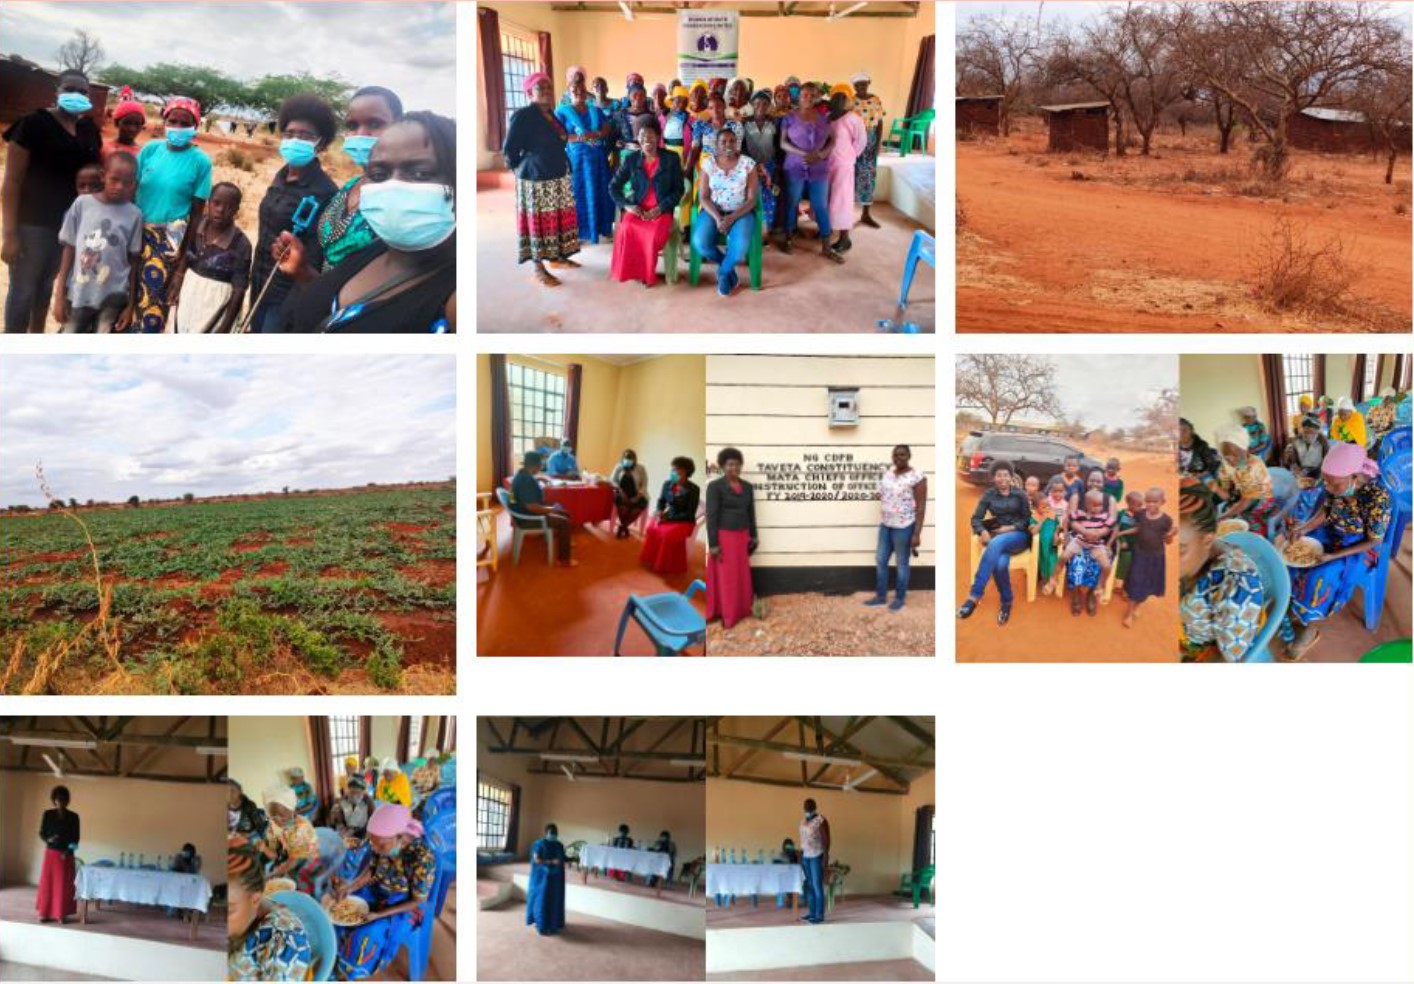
(1293, 274)
(238, 159)
(385, 665)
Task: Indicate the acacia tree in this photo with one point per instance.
(997, 54)
(81, 53)
(1385, 102)
(1001, 386)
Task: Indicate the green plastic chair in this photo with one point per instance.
(1395, 651)
(753, 255)
(924, 882)
(904, 130)
(835, 883)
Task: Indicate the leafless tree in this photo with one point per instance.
(1385, 102)
(81, 53)
(995, 56)
(1001, 386)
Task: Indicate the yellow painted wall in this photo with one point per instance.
(872, 833)
(772, 48)
(262, 748)
(115, 815)
(773, 409)
(1211, 387)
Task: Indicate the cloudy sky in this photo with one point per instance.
(1108, 390)
(160, 426)
(407, 47)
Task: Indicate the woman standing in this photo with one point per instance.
(545, 895)
(731, 540)
(47, 149)
(807, 139)
(677, 125)
(546, 222)
(587, 130)
(267, 941)
(1221, 588)
(674, 522)
(866, 169)
(634, 110)
(738, 99)
(705, 132)
(849, 142)
(761, 139)
(59, 829)
(630, 483)
(173, 184)
(1002, 523)
(903, 503)
(727, 197)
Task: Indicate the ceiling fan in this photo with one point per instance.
(58, 771)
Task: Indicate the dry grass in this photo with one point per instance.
(1294, 274)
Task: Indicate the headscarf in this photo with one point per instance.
(1388, 393)
(1344, 460)
(1310, 420)
(531, 81)
(370, 762)
(296, 772)
(633, 77)
(698, 84)
(283, 795)
(1344, 403)
(128, 105)
(1234, 434)
(356, 782)
(733, 81)
(717, 82)
(860, 77)
(351, 761)
(1247, 411)
(392, 819)
(573, 71)
(842, 89)
(760, 94)
(390, 764)
(184, 102)
(1305, 402)
(679, 92)
(791, 80)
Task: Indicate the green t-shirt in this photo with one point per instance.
(169, 180)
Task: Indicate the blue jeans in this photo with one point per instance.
(900, 544)
(704, 240)
(819, 192)
(995, 561)
(814, 887)
(32, 277)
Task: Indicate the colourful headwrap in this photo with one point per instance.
(1234, 434)
(791, 80)
(573, 71)
(128, 105)
(680, 92)
(1305, 401)
(1247, 411)
(392, 819)
(860, 77)
(733, 81)
(283, 795)
(351, 761)
(716, 83)
(531, 81)
(1344, 460)
(183, 102)
(699, 84)
(842, 89)
(660, 86)
(632, 78)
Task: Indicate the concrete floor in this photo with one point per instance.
(850, 909)
(28, 972)
(867, 970)
(587, 949)
(800, 293)
(120, 919)
(1345, 639)
(538, 610)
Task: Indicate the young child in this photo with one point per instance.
(89, 180)
(1074, 482)
(1052, 511)
(1087, 556)
(1114, 485)
(102, 240)
(212, 284)
(1122, 543)
(1032, 485)
(1154, 531)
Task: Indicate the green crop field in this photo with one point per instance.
(346, 592)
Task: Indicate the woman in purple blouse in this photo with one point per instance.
(807, 139)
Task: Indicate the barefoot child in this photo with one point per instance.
(102, 240)
(1052, 511)
(1147, 571)
(1123, 541)
(213, 279)
(1087, 557)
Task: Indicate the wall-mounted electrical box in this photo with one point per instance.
(844, 406)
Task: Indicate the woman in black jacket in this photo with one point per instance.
(1002, 523)
(546, 221)
(648, 185)
(59, 829)
(674, 521)
(731, 539)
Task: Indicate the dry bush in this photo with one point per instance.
(1293, 274)
(237, 158)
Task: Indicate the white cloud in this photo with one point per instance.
(1109, 390)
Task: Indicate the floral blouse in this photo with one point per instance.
(276, 949)
(1364, 515)
(299, 840)
(728, 187)
(1381, 418)
(1250, 481)
(870, 109)
(411, 873)
(704, 135)
(1224, 608)
(897, 509)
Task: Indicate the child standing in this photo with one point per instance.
(1114, 485)
(1123, 542)
(102, 240)
(1147, 572)
(1052, 511)
(211, 284)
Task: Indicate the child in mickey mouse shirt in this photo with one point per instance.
(102, 240)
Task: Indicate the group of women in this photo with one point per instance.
(377, 254)
(1329, 488)
(589, 168)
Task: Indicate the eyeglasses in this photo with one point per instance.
(291, 133)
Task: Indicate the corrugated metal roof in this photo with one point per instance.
(980, 98)
(1069, 106)
(1334, 115)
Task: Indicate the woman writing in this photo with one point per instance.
(267, 941)
(849, 142)
(630, 483)
(808, 140)
(406, 279)
(545, 895)
(647, 186)
(1002, 523)
(728, 208)
(674, 522)
(546, 221)
(588, 129)
(59, 829)
(46, 150)
(731, 540)
(1221, 588)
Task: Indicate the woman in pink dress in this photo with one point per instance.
(851, 140)
(654, 186)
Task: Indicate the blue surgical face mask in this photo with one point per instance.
(552, 837)
(359, 148)
(297, 153)
(74, 102)
(180, 136)
(627, 463)
(408, 215)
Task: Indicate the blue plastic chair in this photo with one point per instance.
(442, 800)
(541, 527)
(1276, 581)
(1395, 471)
(924, 249)
(442, 835)
(449, 773)
(419, 944)
(331, 856)
(669, 619)
(1395, 467)
(317, 927)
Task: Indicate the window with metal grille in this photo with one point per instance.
(537, 401)
(493, 815)
(414, 748)
(520, 59)
(343, 741)
(1298, 380)
(1372, 365)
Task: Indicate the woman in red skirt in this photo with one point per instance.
(674, 522)
(731, 539)
(654, 187)
(59, 829)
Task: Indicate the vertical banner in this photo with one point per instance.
(707, 44)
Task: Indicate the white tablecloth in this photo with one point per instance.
(754, 879)
(629, 859)
(180, 891)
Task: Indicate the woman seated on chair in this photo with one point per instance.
(1002, 523)
(727, 207)
(1243, 479)
(674, 521)
(396, 886)
(648, 186)
(1304, 453)
(528, 497)
(266, 942)
(1259, 442)
(1350, 524)
(630, 484)
(1221, 589)
(291, 843)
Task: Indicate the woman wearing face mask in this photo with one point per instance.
(1350, 523)
(298, 192)
(290, 841)
(173, 184)
(406, 279)
(267, 941)
(674, 522)
(545, 897)
(396, 886)
(630, 482)
(47, 149)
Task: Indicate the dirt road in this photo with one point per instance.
(1163, 244)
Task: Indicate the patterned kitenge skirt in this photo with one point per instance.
(546, 222)
(866, 170)
(161, 245)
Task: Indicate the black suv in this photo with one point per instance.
(1029, 454)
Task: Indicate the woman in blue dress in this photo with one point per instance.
(545, 899)
(396, 886)
(588, 129)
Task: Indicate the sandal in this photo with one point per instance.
(831, 255)
(1294, 652)
(546, 277)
